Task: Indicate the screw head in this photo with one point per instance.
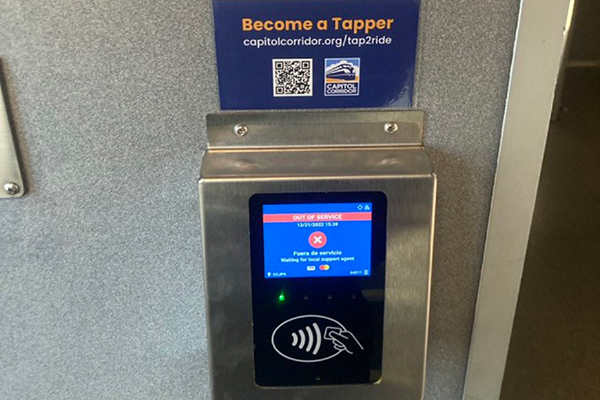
(391, 127)
(12, 188)
(240, 130)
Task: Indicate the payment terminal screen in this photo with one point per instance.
(317, 240)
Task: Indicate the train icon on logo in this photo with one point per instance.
(342, 76)
(313, 338)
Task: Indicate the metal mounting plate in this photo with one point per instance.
(315, 129)
(316, 152)
(11, 181)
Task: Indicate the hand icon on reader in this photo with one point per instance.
(342, 340)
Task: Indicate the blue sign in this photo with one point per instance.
(317, 240)
(278, 54)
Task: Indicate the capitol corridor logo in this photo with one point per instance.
(342, 76)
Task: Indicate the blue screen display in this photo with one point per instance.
(317, 240)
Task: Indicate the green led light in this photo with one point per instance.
(281, 297)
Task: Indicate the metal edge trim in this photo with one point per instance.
(541, 35)
(10, 167)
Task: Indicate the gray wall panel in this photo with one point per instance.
(101, 274)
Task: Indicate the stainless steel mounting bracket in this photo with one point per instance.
(338, 129)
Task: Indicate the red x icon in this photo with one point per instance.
(317, 239)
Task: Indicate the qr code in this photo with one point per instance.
(292, 77)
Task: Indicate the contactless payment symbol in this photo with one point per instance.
(342, 76)
(313, 338)
(317, 239)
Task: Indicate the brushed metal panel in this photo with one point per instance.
(225, 221)
(316, 128)
(316, 152)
